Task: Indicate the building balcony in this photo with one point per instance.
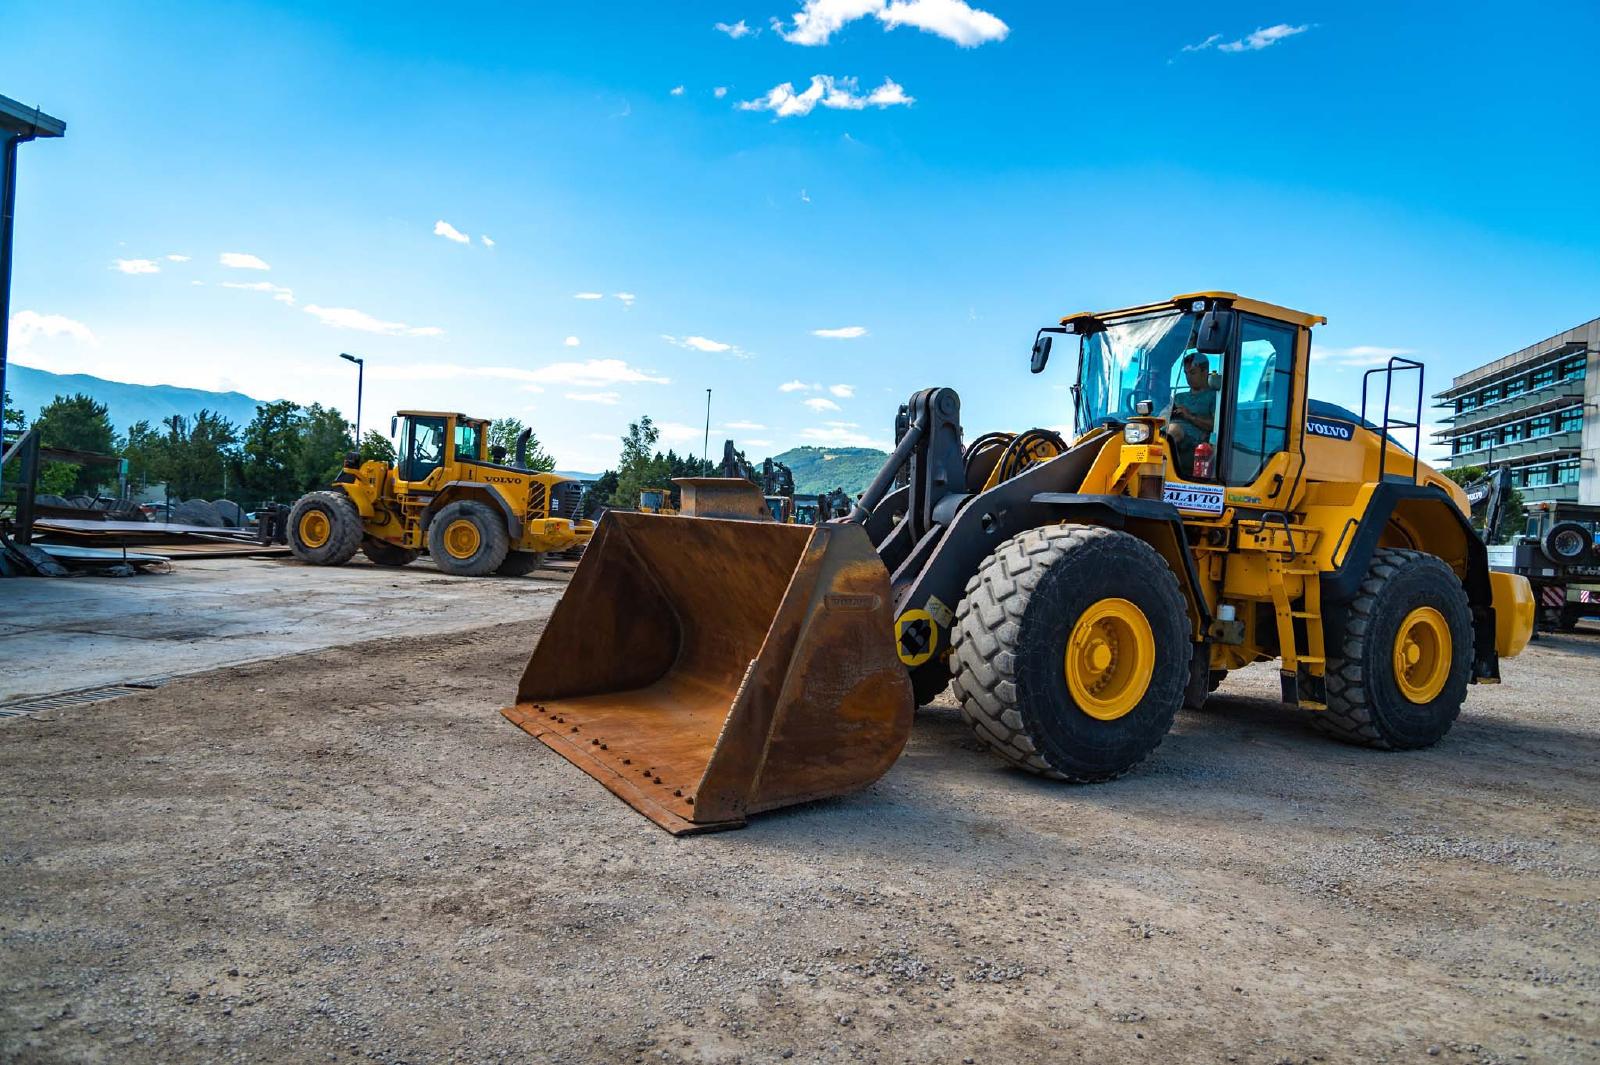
(1559, 394)
(1550, 493)
(1553, 445)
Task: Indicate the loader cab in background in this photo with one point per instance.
(429, 441)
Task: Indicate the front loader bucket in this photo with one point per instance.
(705, 669)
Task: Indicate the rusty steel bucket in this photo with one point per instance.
(706, 669)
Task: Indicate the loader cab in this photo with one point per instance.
(1226, 375)
(430, 441)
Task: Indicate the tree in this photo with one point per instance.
(271, 444)
(638, 467)
(1513, 509)
(600, 493)
(503, 432)
(375, 447)
(78, 423)
(14, 425)
(146, 453)
(324, 441)
(15, 421)
(195, 456)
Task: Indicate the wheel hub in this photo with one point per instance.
(1422, 655)
(461, 539)
(315, 528)
(1109, 657)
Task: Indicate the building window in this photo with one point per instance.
(1543, 425)
(1538, 476)
(1573, 367)
(1467, 402)
(1570, 419)
(1545, 377)
(1516, 386)
(1567, 472)
(1516, 431)
(1519, 477)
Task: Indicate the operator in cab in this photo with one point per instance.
(1192, 415)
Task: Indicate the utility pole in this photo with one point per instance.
(18, 124)
(361, 373)
(705, 445)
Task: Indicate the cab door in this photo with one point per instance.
(1261, 457)
(424, 444)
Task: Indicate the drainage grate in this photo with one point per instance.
(29, 707)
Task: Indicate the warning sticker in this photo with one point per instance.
(1201, 497)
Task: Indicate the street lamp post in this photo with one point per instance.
(361, 373)
(705, 445)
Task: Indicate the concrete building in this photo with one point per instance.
(1534, 411)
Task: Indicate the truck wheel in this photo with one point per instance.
(382, 553)
(1397, 675)
(324, 529)
(520, 563)
(467, 539)
(1071, 651)
(1567, 543)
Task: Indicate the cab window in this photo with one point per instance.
(467, 436)
(1261, 397)
(1194, 386)
(422, 449)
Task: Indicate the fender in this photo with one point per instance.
(1342, 584)
(469, 490)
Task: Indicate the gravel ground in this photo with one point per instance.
(348, 856)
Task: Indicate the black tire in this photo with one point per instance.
(1567, 544)
(1216, 678)
(491, 544)
(334, 512)
(520, 563)
(380, 553)
(1569, 618)
(1010, 644)
(1366, 705)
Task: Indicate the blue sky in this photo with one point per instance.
(961, 175)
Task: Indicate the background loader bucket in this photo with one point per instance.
(704, 669)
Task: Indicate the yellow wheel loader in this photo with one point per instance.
(1075, 594)
(445, 495)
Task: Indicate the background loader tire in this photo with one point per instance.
(1212, 683)
(467, 539)
(1011, 640)
(324, 529)
(1366, 703)
(382, 553)
(520, 563)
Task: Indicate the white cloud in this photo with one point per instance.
(137, 266)
(177, 258)
(736, 30)
(1262, 38)
(488, 242)
(818, 403)
(954, 20)
(839, 94)
(444, 229)
(1359, 355)
(698, 343)
(238, 260)
(842, 391)
(798, 386)
(589, 374)
(720, 91)
(627, 298)
(805, 197)
(841, 434)
(28, 326)
(572, 342)
(279, 292)
(849, 332)
(350, 318)
(588, 296)
(610, 399)
(677, 90)
(744, 425)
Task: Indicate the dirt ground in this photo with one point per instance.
(348, 855)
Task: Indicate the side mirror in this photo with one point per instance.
(1041, 352)
(394, 424)
(1215, 328)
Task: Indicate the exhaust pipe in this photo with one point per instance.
(522, 448)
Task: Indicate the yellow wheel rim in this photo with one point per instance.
(1109, 658)
(315, 528)
(462, 538)
(1422, 654)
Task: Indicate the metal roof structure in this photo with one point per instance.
(20, 119)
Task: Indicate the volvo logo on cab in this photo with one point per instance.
(1333, 430)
